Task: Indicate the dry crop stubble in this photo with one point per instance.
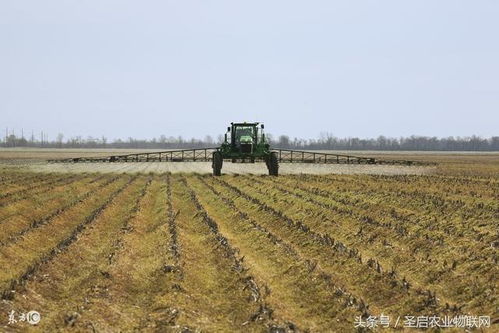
(174, 251)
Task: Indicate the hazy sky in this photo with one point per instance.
(354, 68)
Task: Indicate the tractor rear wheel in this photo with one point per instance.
(217, 163)
(273, 164)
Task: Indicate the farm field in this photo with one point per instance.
(32, 159)
(228, 168)
(471, 164)
(157, 251)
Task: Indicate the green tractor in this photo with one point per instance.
(247, 144)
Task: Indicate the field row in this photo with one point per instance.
(154, 252)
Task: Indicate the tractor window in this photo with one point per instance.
(243, 131)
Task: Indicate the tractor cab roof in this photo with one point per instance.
(245, 124)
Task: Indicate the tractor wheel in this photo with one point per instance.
(273, 164)
(217, 163)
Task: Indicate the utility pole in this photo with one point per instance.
(41, 143)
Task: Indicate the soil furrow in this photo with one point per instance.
(264, 313)
(302, 289)
(16, 235)
(411, 227)
(30, 187)
(428, 278)
(172, 226)
(43, 190)
(66, 294)
(374, 277)
(7, 286)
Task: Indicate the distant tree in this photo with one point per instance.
(270, 138)
(494, 143)
(208, 140)
(59, 139)
(326, 140)
(283, 141)
(11, 141)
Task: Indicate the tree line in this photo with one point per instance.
(326, 141)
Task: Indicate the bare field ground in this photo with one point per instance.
(458, 163)
(155, 251)
(228, 168)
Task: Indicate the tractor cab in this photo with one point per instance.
(244, 137)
